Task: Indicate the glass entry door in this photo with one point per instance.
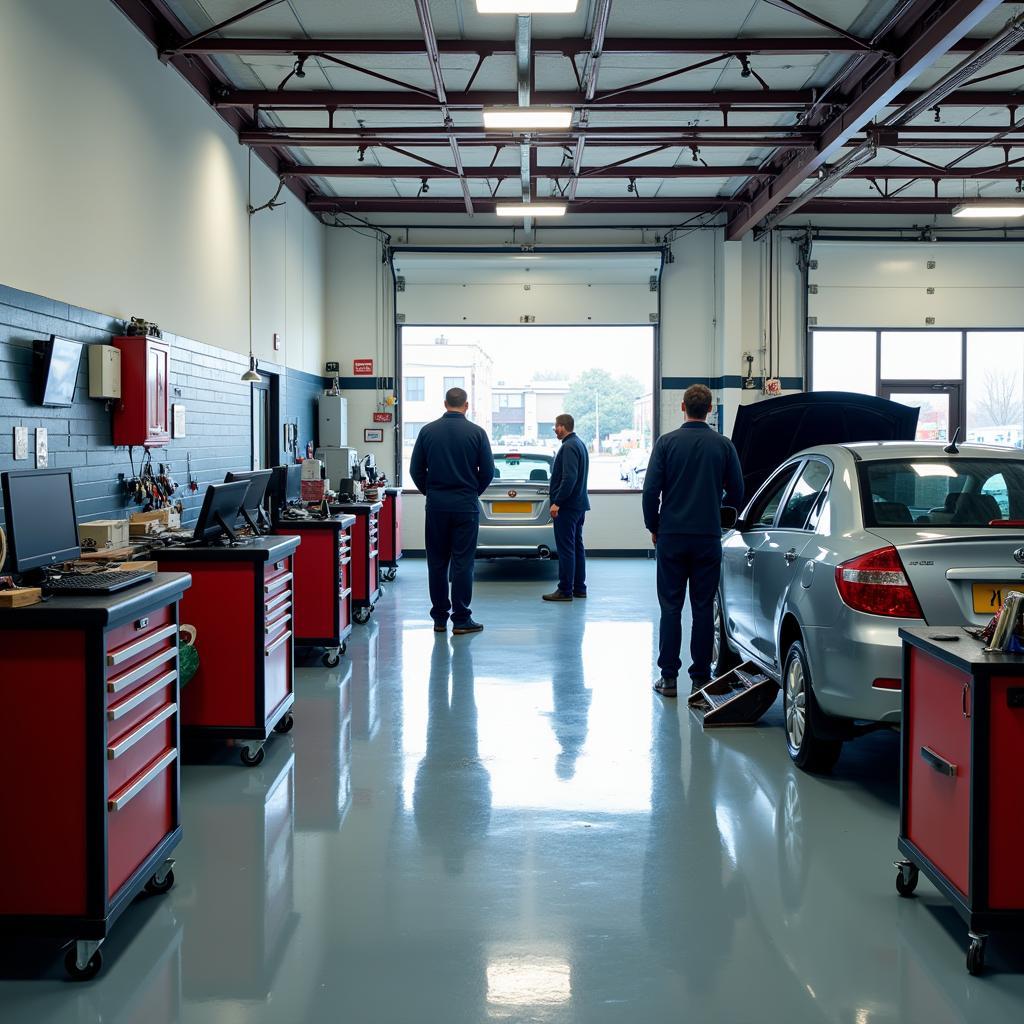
(939, 404)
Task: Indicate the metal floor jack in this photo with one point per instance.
(739, 697)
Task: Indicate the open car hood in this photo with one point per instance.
(769, 432)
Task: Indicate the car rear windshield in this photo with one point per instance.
(948, 491)
(535, 468)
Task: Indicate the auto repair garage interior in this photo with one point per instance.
(243, 237)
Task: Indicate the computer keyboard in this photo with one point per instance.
(96, 582)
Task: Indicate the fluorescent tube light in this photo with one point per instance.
(531, 209)
(997, 208)
(526, 6)
(526, 117)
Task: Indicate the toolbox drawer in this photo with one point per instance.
(275, 570)
(131, 751)
(125, 712)
(121, 639)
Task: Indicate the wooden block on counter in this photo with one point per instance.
(107, 555)
(141, 566)
(20, 598)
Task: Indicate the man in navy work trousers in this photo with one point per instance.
(689, 471)
(569, 507)
(452, 465)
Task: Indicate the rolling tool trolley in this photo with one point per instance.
(390, 534)
(960, 819)
(365, 555)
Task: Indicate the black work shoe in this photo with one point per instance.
(467, 627)
(696, 685)
(440, 627)
(579, 593)
(665, 687)
(556, 595)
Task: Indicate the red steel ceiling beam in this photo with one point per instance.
(929, 40)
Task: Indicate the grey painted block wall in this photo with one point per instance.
(204, 379)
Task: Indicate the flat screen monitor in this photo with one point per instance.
(57, 370)
(257, 479)
(293, 485)
(221, 505)
(41, 523)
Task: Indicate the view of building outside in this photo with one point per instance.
(520, 378)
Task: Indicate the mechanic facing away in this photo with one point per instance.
(569, 507)
(452, 465)
(692, 473)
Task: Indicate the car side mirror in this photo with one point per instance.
(729, 517)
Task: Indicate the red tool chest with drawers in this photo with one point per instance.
(241, 603)
(91, 709)
(960, 805)
(142, 414)
(323, 582)
(390, 533)
(365, 555)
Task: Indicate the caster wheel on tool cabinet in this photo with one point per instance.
(344, 649)
(87, 973)
(907, 876)
(976, 955)
(155, 888)
(362, 616)
(252, 760)
(286, 724)
(330, 660)
(388, 575)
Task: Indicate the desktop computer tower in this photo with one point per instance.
(333, 421)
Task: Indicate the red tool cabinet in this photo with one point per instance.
(323, 583)
(241, 603)
(365, 555)
(90, 800)
(390, 536)
(142, 414)
(960, 805)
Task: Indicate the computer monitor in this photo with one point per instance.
(41, 523)
(293, 485)
(252, 511)
(221, 505)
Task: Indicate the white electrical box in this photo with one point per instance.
(104, 371)
(333, 421)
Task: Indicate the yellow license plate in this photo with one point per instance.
(522, 507)
(988, 597)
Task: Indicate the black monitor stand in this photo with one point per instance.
(229, 530)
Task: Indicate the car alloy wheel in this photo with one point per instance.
(796, 703)
(810, 734)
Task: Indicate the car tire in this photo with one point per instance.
(723, 657)
(808, 747)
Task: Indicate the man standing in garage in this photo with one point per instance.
(452, 465)
(569, 507)
(693, 472)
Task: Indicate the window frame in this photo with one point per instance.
(406, 396)
(793, 468)
(819, 501)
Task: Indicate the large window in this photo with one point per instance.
(519, 379)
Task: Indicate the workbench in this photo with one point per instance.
(960, 805)
(241, 603)
(322, 585)
(90, 800)
(365, 554)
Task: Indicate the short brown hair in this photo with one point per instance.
(456, 398)
(697, 400)
(563, 419)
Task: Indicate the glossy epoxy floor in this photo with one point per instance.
(512, 827)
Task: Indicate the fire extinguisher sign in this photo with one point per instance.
(362, 367)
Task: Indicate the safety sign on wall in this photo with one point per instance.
(362, 367)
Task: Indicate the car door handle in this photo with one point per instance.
(750, 556)
(790, 556)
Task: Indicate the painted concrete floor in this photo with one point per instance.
(512, 827)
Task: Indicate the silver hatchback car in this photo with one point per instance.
(515, 510)
(842, 546)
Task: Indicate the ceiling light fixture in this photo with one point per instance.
(526, 6)
(526, 117)
(530, 209)
(992, 208)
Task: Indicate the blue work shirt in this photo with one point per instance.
(689, 470)
(569, 475)
(452, 463)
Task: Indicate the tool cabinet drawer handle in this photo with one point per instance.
(143, 645)
(271, 627)
(118, 801)
(119, 683)
(276, 582)
(939, 763)
(131, 703)
(140, 732)
(285, 606)
(271, 603)
(286, 635)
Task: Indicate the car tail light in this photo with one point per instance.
(876, 583)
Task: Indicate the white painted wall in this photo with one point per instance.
(122, 192)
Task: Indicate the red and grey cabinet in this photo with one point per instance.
(960, 810)
(142, 413)
(365, 555)
(242, 605)
(323, 583)
(90, 802)
(390, 533)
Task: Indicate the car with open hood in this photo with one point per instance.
(860, 532)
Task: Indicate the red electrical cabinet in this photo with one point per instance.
(390, 533)
(142, 416)
(960, 817)
(90, 800)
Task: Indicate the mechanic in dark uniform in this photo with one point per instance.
(569, 507)
(689, 472)
(452, 465)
